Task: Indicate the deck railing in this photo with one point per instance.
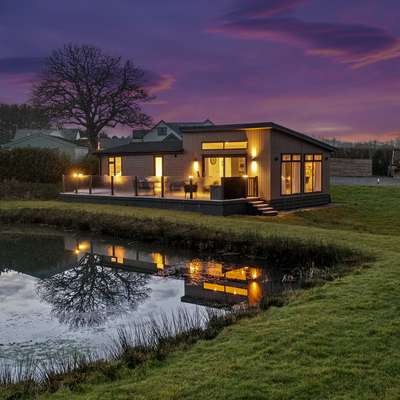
(162, 186)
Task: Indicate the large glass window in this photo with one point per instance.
(235, 145)
(312, 173)
(114, 166)
(224, 145)
(217, 167)
(290, 174)
(212, 146)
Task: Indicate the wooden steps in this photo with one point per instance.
(260, 207)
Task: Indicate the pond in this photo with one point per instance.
(62, 292)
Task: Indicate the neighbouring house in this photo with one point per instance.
(70, 141)
(221, 169)
(49, 139)
(71, 134)
(165, 131)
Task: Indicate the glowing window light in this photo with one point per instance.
(196, 167)
(158, 162)
(158, 259)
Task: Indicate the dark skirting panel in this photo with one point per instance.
(210, 207)
(302, 201)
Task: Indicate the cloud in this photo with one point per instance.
(354, 44)
(263, 8)
(157, 83)
(369, 136)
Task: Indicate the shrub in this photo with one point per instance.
(15, 190)
(33, 165)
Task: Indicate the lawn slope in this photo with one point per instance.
(338, 341)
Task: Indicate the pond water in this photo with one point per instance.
(62, 292)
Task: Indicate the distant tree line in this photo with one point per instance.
(20, 116)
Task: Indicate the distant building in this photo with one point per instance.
(70, 141)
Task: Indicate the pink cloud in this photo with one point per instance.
(354, 44)
(161, 83)
(263, 8)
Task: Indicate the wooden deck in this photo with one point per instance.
(199, 204)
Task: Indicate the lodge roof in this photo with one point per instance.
(258, 125)
(165, 147)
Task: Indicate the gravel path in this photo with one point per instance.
(369, 181)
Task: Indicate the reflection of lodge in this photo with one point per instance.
(206, 282)
(113, 255)
(213, 283)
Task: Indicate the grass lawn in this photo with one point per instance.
(338, 341)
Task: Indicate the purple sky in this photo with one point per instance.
(328, 68)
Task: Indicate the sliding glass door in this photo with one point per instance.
(218, 167)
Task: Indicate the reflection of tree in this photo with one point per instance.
(89, 293)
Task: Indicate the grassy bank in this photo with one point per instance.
(338, 341)
(197, 233)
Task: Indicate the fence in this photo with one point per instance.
(162, 186)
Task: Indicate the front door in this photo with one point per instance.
(158, 166)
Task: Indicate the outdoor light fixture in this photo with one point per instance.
(245, 176)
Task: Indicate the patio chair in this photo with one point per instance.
(190, 188)
(176, 186)
(147, 186)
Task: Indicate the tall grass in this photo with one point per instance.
(153, 338)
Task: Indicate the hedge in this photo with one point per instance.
(33, 165)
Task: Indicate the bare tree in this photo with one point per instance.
(20, 116)
(81, 85)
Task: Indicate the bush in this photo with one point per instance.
(33, 165)
(15, 190)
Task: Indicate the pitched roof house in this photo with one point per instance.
(70, 141)
(37, 139)
(165, 131)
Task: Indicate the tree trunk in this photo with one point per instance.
(93, 140)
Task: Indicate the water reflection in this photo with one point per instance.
(206, 282)
(90, 292)
(87, 282)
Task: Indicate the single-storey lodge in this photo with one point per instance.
(268, 165)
